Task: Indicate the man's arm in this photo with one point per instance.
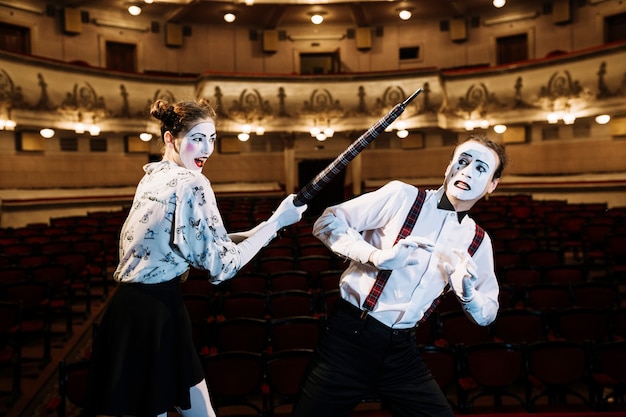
(340, 226)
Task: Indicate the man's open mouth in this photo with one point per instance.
(462, 185)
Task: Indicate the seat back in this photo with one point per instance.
(235, 379)
(299, 332)
(285, 370)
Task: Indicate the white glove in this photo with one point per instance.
(287, 213)
(401, 254)
(463, 276)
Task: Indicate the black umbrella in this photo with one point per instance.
(309, 191)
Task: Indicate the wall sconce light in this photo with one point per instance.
(148, 1)
(553, 117)
(400, 126)
(499, 3)
(405, 14)
(134, 10)
(145, 136)
(47, 133)
(247, 129)
(469, 125)
(317, 17)
(322, 133)
(94, 130)
(569, 118)
(603, 119)
(229, 17)
(7, 124)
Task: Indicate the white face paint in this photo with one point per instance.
(197, 145)
(469, 175)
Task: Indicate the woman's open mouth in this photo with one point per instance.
(199, 162)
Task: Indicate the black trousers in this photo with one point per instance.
(360, 357)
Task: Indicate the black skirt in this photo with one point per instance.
(144, 360)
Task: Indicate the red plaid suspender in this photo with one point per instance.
(407, 227)
(383, 275)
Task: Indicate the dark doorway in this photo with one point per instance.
(320, 63)
(331, 194)
(615, 28)
(121, 56)
(511, 49)
(14, 38)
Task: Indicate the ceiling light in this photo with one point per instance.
(499, 3)
(320, 137)
(405, 14)
(603, 119)
(249, 2)
(134, 10)
(229, 17)
(499, 128)
(243, 136)
(402, 133)
(260, 130)
(317, 18)
(46, 133)
(148, 1)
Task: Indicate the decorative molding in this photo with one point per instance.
(510, 18)
(120, 24)
(250, 107)
(18, 5)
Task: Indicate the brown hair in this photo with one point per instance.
(180, 117)
(496, 147)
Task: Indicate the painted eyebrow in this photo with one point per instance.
(211, 136)
(471, 157)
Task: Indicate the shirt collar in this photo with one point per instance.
(445, 204)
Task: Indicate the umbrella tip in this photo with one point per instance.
(412, 96)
